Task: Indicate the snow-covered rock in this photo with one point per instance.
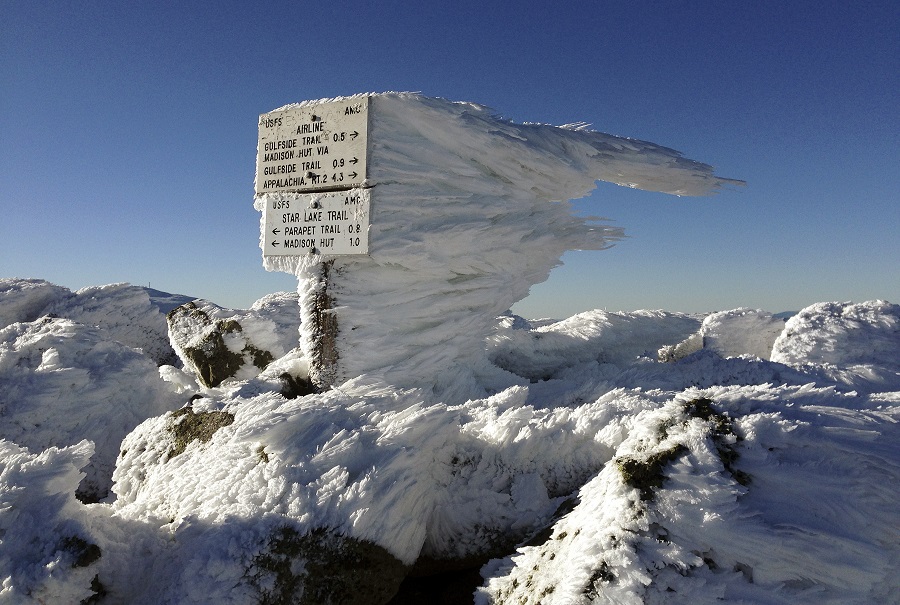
(125, 312)
(730, 334)
(621, 479)
(592, 337)
(25, 299)
(63, 382)
(47, 552)
(218, 344)
(738, 494)
(855, 343)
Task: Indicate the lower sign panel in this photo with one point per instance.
(329, 223)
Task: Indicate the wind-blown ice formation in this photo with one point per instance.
(462, 225)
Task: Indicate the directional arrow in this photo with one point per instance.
(354, 134)
(354, 160)
(275, 243)
(352, 175)
(275, 231)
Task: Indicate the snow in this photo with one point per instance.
(132, 315)
(64, 381)
(816, 521)
(632, 458)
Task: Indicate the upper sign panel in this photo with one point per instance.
(313, 148)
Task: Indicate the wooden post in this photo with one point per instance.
(323, 365)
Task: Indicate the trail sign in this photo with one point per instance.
(319, 147)
(332, 222)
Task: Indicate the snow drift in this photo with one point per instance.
(612, 477)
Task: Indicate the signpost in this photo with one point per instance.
(312, 160)
(311, 165)
(334, 222)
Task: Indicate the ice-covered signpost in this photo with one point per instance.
(311, 170)
(411, 223)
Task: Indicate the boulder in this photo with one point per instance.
(217, 344)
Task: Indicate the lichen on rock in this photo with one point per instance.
(195, 427)
(217, 344)
(324, 568)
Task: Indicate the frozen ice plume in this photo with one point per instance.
(462, 225)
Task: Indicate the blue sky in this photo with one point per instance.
(128, 135)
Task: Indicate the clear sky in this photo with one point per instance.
(128, 135)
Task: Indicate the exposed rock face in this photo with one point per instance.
(188, 426)
(217, 344)
(324, 568)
